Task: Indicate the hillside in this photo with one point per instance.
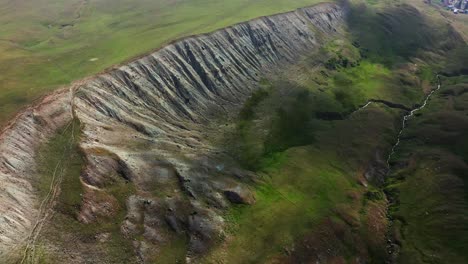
(335, 133)
(47, 43)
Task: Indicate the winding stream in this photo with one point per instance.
(392, 247)
(407, 117)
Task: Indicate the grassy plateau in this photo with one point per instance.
(48, 43)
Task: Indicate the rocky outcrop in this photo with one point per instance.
(239, 195)
(151, 122)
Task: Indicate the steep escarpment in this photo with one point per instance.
(154, 119)
(150, 124)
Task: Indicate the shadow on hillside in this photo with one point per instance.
(397, 34)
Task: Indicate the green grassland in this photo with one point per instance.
(432, 206)
(48, 43)
(305, 186)
(312, 199)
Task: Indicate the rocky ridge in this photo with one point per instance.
(150, 122)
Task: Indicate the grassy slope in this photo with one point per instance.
(47, 43)
(314, 184)
(436, 11)
(432, 208)
(429, 179)
(312, 169)
(305, 185)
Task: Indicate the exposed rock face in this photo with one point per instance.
(18, 144)
(160, 109)
(96, 204)
(151, 121)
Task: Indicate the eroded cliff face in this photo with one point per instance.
(151, 123)
(19, 204)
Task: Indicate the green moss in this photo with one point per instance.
(426, 73)
(356, 84)
(412, 37)
(434, 229)
(272, 161)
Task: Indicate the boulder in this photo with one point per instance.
(239, 195)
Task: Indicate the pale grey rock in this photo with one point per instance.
(19, 142)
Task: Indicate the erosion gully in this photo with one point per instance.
(392, 247)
